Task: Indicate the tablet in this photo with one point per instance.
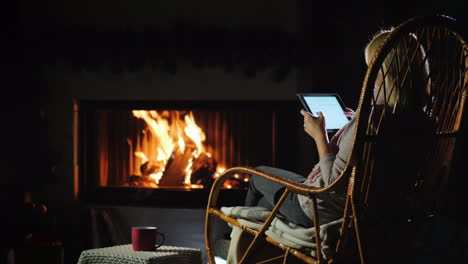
(330, 105)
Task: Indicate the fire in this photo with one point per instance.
(169, 136)
(194, 132)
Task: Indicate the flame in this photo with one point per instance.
(157, 176)
(188, 172)
(142, 156)
(167, 132)
(159, 129)
(194, 132)
(181, 145)
(219, 170)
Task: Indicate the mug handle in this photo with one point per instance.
(163, 239)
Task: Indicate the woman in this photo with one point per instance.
(334, 154)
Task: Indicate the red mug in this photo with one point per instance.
(144, 238)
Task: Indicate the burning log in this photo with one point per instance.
(176, 131)
(147, 169)
(151, 167)
(203, 169)
(174, 173)
(141, 181)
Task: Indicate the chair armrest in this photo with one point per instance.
(293, 186)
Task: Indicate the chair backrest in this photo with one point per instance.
(408, 126)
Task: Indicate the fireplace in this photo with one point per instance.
(168, 153)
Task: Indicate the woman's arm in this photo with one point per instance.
(332, 159)
(333, 164)
(323, 147)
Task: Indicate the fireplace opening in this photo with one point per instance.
(168, 153)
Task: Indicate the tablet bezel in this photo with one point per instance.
(307, 108)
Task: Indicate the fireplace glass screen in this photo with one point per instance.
(174, 146)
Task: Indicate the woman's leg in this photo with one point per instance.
(266, 193)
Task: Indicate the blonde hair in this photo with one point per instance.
(409, 54)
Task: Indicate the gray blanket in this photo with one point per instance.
(287, 233)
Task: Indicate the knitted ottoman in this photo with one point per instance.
(124, 254)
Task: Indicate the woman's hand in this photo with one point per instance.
(349, 112)
(314, 126)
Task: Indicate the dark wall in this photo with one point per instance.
(338, 32)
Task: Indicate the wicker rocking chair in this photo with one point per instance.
(402, 154)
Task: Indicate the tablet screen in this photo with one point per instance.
(330, 107)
